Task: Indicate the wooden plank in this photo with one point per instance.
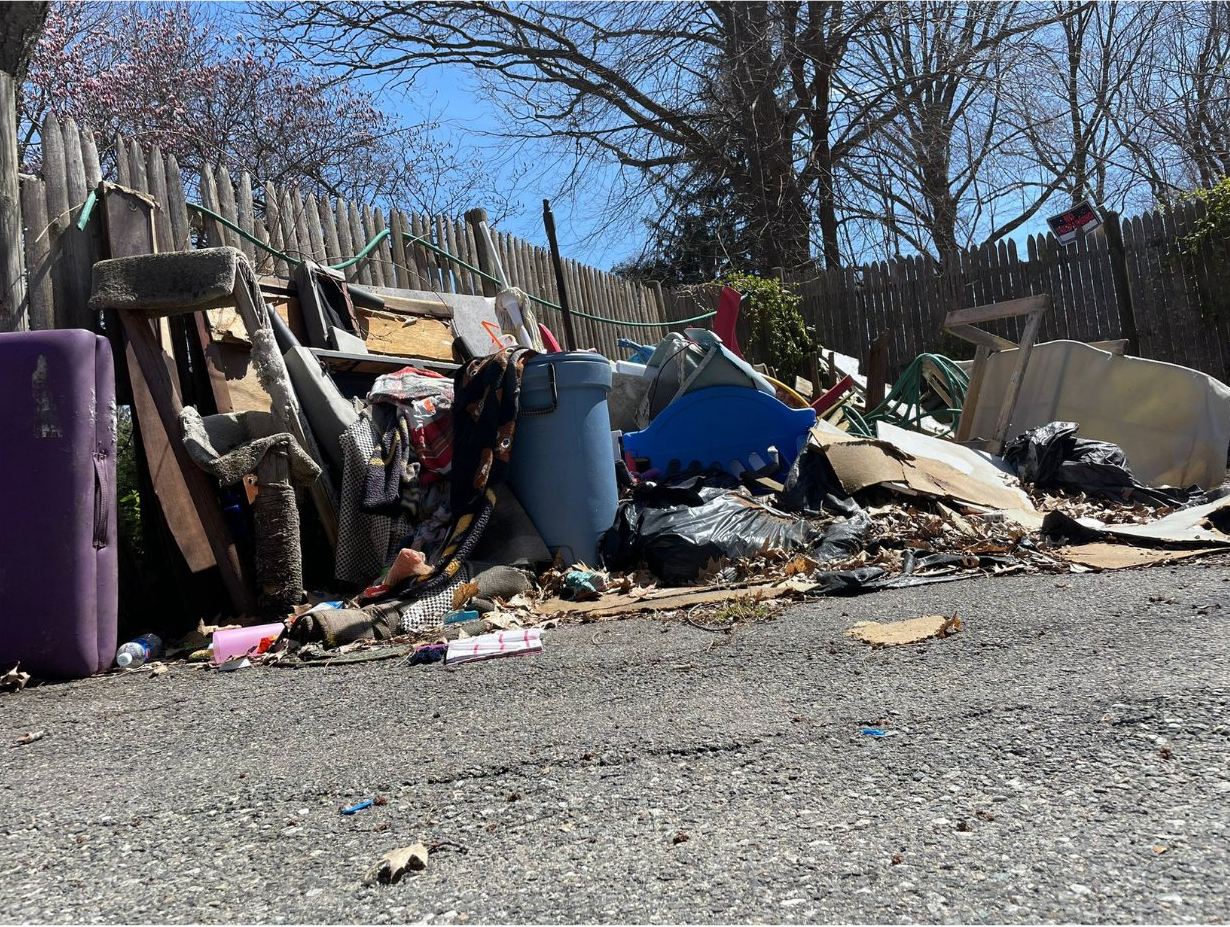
(40, 295)
(1008, 408)
(1182, 309)
(298, 212)
(245, 214)
(89, 154)
(136, 161)
(978, 336)
(156, 172)
(359, 239)
(71, 269)
(463, 247)
(227, 204)
(398, 246)
(291, 243)
(198, 485)
(345, 242)
(176, 208)
(383, 253)
(328, 226)
(273, 226)
(416, 275)
(14, 299)
(977, 375)
(369, 232)
(1209, 269)
(316, 235)
(1004, 310)
(215, 234)
(1150, 258)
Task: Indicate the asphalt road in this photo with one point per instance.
(1062, 759)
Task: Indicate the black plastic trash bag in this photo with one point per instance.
(1052, 457)
(678, 529)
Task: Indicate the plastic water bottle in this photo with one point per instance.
(138, 651)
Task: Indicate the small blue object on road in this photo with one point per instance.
(875, 732)
(366, 803)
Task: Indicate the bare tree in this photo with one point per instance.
(947, 172)
(1181, 99)
(1073, 99)
(746, 97)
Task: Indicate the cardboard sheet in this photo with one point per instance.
(862, 462)
(1173, 422)
(908, 631)
(1104, 556)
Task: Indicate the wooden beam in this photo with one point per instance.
(978, 336)
(1005, 310)
(148, 364)
(1008, 407)
(976, 376)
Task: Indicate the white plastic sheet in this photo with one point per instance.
(1172, 422)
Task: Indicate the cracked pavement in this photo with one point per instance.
(1061, 759)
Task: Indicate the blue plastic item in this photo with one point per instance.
(640, 353)
(563, 471)
(722, 425)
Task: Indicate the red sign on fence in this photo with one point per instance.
(1077, 221)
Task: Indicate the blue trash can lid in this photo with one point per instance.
(572, 368)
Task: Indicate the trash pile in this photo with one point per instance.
(471, 486)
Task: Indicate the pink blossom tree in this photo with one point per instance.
(179, 77)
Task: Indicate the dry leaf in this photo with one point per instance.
(501, 622)
(463, 593)
(396, 863)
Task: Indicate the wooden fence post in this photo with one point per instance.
(1123, 288)
(488, 261)
(14, 309)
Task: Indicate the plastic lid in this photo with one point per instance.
(123, 660)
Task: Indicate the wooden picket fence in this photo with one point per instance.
(59, 255)
(1179, 302)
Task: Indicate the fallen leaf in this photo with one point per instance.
(157, 669)
(1159, 849)
(463, 593)
(396, 863)
(680, 837)
(501, 622)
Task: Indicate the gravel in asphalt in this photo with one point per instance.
(1064, 758)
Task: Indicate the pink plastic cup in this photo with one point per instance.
(233, 642)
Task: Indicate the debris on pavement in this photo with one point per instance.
(14, 680)
(355, 808)
(29, 738)
(449, 499)
(396, 863)
(907, 631)
(493, 646)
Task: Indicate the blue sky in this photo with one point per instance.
(448, 94)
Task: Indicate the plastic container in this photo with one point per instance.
(234, 642)
(562, 468)
(139, 651)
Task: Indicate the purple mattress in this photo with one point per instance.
(58, 564)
